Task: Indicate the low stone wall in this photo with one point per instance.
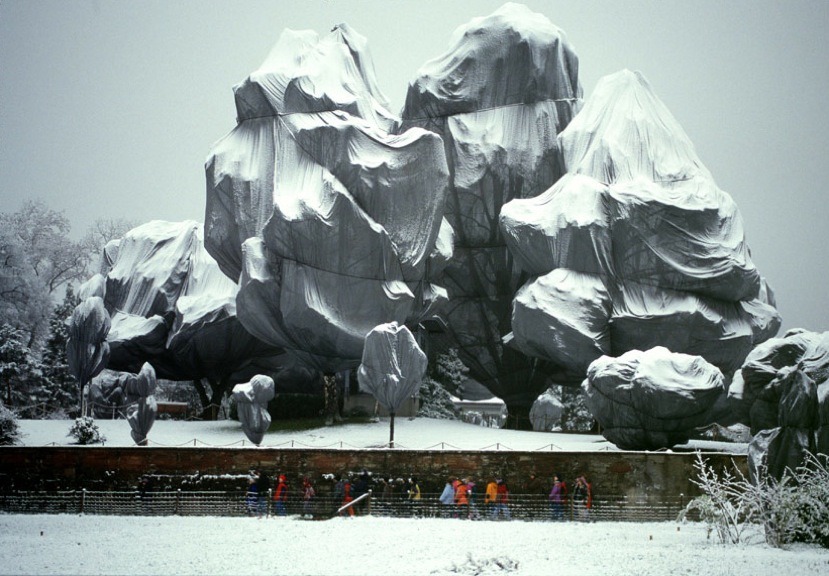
(638, 476)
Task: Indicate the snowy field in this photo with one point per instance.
(70, 544)
(87, 544)
(417, 434)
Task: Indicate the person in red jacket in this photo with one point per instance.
(501, 500)
(280, 496)
(347, 497)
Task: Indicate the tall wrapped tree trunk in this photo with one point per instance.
(332, 399)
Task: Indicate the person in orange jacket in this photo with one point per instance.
(490, 497)
(462, 498)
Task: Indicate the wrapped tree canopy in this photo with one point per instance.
(393, 367)
(143, 408)
(108, 393)
(332, 222)
(252, 406)
(653, 399)
(95, 286)
(782, 393)
(87, 350)
(546, 412)
(173, 307)
(635, 246)
(755, 392)
(499, 96)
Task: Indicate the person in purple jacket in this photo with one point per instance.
(557, 500)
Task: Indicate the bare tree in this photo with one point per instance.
(100, 233)
(43, 235)
(36, 259)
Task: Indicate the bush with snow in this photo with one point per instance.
(792, 509)
(85, 431)
(9, 430)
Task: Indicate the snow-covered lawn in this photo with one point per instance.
(417, 434)
(70, 544)
(88, 544)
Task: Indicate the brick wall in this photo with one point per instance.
(650, 476)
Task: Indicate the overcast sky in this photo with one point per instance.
(109, 109)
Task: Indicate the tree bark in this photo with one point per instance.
(211, 403)
(518, 416)
(331, 394)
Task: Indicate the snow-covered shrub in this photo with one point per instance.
(85, 431)
(722, 505)
(813, 500)
(435, 401)
(794, 508)
(9, 430)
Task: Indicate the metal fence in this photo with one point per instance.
(237, 503)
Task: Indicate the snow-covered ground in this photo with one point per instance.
(71, 544)
(88, 544)
(417, 434)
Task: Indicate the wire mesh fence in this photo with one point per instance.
(523, 507)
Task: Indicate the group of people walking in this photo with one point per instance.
(259, 492)
(460, 497)
(582, 498)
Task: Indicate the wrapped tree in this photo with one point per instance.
(252, 406)
(331, 223)
(499, 96)
(392, 368)
(143, 408)
(546, 412)
(87, 351)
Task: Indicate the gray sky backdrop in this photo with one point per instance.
(109, 109)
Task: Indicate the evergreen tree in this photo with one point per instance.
(451, 372)
(21, 378)
(9, 430)
(435, 401)
(576, 417)
(62, 387)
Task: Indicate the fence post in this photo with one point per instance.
(178, 503)
(83, 501)
(268, 507)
